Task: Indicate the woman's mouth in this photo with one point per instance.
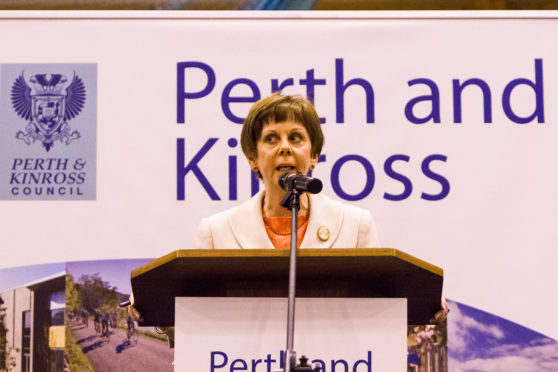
(285, 168)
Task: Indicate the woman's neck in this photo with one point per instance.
(271, 206)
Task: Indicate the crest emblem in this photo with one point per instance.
(48, 108)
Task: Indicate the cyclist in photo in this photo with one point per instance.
(97, 322)
(105, 320)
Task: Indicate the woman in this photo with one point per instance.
(283, 134)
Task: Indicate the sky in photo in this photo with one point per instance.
(479, 341)
(115, 272)
(14, 277)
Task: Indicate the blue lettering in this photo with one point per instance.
(436, 177)
(62, 164)
(15, 178)
(242, 367)
(255, 363)
(43, 164)
(233, 171)
(340, 89)
(334, 363)
(321, 363)
(370, 177)
(81, 177)
(17, 162)
(310, 82)
(219, 360)
(58, 180)
(487, 98)
(434, 97)
(408, 186)
(47, 178)
(182, 95)
(276, 87)
(282, 359)
(367, 363)
(226, 99)
(269, 361)
(182, 169)
(223, 355)
(537, 87)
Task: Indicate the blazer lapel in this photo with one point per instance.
(247, 225)
(326, 218)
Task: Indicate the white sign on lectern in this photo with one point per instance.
(248, 334)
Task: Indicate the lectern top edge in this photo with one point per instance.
(418, 262)
(307, 252)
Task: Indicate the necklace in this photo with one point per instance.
(302, 206)
(301, 221)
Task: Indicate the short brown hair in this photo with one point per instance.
(278, 108)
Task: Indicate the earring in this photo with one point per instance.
(253, 165)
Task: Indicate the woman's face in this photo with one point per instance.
(282, 147)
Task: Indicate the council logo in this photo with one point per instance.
(48, 131)
(48, 104)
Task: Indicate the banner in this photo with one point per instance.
(236, 333)
(120, 131)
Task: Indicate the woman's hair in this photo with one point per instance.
(278, 108)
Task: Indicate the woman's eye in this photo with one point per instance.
(270, 138)
(296, 137)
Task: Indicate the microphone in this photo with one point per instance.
(299, 182)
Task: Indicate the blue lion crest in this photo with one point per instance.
(47, 107)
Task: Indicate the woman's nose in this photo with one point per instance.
(285, 148)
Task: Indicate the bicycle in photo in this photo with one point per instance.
(131, 332)
(97, 324)
(105, 331)
(85, 318)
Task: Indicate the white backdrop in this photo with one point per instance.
(493, 233)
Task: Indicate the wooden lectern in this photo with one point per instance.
(349, 273)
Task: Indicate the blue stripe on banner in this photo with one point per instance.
(285, 5)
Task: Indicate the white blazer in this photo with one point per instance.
(332, 224)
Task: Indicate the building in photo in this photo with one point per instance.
(32, 332)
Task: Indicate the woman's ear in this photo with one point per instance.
(253, 164)
(313, 162)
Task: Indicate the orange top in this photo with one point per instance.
(279, 230)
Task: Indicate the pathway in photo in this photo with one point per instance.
(118, 354)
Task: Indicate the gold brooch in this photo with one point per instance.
(323, 233)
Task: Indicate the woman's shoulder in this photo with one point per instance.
(246, 208)
(210, 228)
(350, 225)
(231, 227)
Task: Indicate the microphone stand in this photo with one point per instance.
(291, 201)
